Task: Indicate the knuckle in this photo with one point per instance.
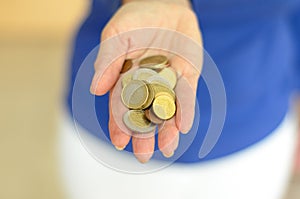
(192, 73)
(191, 15)
(108, 31)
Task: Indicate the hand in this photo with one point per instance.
(172, 15)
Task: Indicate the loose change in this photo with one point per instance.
(148, 93)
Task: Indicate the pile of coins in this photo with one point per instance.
(148, 93)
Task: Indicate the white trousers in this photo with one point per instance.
(259, 172)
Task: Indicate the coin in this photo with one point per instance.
(159, 80)
(160, 89)
(135, 94)
(127, 77)
(152, 117)
(126, 65)
(143, 74)
(154, 62)
(164, 107)
(149, 93)
(170, 75)
(150, 97)
(137, 122)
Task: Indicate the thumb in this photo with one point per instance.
(106, 75)
(108, 64)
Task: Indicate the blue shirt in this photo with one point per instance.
(255, 45)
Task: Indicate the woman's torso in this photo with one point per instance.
(250, 42)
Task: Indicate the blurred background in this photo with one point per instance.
(35, 43)
(35, 46)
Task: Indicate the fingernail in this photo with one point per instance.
(119, 148)
(184, 132)
(142, 161)
(168, 155)
(143, 158)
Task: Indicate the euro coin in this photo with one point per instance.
(154, 62)
(160, 89)
(143, 74)
(150, 97)
(136, 121)
(152, 117)
(159, 80)
(135, 94)
(170, 75)
(127, 77)
(127, 65)
(164, 107)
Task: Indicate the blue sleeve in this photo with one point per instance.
(295, 31)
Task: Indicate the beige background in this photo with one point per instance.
(35, 38)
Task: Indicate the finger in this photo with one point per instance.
(185, 89)
(106, 74)
(185, 103)
(109, 61)
(119, 134)
(168, 138)
(189, 72)
(143, 147)
(118, 138)
(114, 49)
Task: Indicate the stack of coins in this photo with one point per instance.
(149, 94)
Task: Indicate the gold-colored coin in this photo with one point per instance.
(164, 107)
(127, 65)
(135, 94)
(154, 62)
(143, 74)
(152, 117)
(150, 97)
(126, 79)
(136, 121)
(160, 89)
(170, 75)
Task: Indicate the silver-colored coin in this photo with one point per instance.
(127, 77)
(156, 67)
(154, 62)
(135, 94)
(143, 74)
(136, 121)
(170, 75)
(159, 80)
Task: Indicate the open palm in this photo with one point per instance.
(138, 16)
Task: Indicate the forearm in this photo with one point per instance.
(185, 3)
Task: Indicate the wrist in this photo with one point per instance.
(185, 3)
